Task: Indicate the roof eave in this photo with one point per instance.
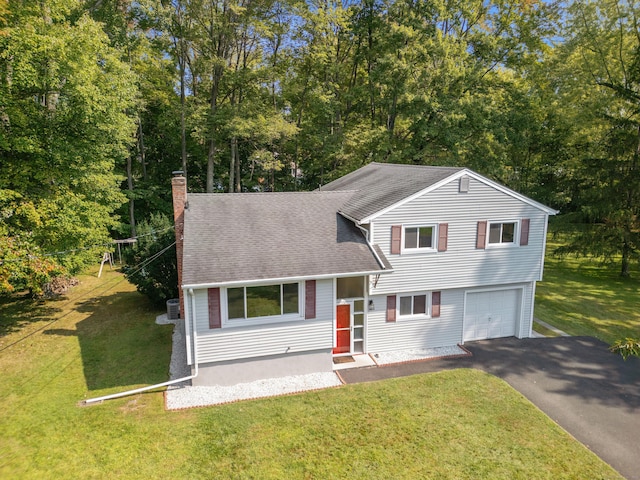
(452, 177)
(264, 281)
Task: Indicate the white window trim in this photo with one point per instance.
(421, 316)
(246, 322)
(434, 239)
(516, 234)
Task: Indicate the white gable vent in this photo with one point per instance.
(464, 184)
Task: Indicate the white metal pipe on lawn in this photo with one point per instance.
(164, 384)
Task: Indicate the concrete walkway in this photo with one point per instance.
(589, 391)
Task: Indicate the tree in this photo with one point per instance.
(64, 97)
(23, 266)
(602, 81)
(151, 262)
(403, 81)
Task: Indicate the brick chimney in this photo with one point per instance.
(179, 191)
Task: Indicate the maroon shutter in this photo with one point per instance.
(309, 299)
(443, 232)
(481, 239)
(391, 308)
(396, 238)
(435, 304)
(215, 319)
(524, 231)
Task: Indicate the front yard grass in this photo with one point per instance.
(581, 296)
(102, 338)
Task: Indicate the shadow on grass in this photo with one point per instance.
(21, 310)
(120, 343)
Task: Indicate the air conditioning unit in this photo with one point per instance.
(173, 309)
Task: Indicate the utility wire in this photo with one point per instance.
(31, 257)
(146, 262)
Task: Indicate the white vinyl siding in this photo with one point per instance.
(418, 332)
(273, 339)
(446, 330)
(462, 264)
(222, 344)
(526, 321)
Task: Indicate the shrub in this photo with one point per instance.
(24, 267)
(150, 263)
(626, 347)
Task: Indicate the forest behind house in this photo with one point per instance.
(101, 100)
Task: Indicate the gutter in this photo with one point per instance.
(263, 281)
(373, 250)
(358, 224)
(90, 401)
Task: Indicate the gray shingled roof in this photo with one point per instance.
(380, 185)
(254, 236)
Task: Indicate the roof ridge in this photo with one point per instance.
(256, 194)
(405, 165)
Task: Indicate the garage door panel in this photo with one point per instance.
(491, 314)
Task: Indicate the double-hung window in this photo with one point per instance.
(502, 233)
(419, 238)
(263, 301)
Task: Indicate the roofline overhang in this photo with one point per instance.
(263, 281)
(444, 181)
(351, 219)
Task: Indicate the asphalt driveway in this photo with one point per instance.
(590, 392)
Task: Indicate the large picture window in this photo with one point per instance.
(263, 301)
(502, 233)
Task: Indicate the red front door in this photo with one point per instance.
(343, 329)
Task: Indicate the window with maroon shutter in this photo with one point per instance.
(391, 308)
(435, 304)
(310, 299)
(443, 232)
(215, 319)
(396, 239)
(481, 239)
(524, 232)
(502, 233)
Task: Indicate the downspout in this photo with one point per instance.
(89, 401)
(373, 250)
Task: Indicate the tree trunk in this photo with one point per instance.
(210, 165)
(183, 128)
(232, 165)
(237, 162)
(143, 155)
(212, 141)
(626, 254)
(132, 218)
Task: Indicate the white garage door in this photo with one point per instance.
(491, 314)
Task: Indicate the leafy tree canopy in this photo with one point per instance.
(65, 95)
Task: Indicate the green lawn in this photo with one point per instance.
(583, 297)
(102, 338)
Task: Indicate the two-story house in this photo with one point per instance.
(386, 258)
